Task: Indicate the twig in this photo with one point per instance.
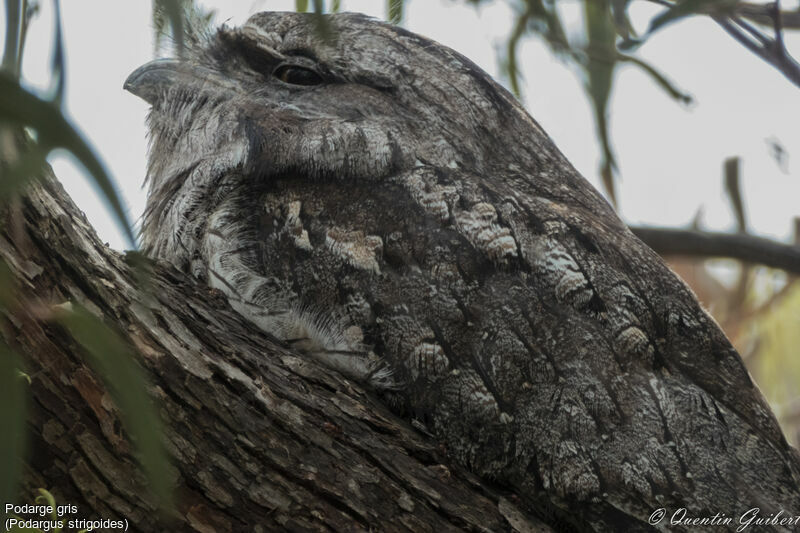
(772, 51)
(667, 241)
(754, 32)
(778, 25)
(764, 14)
(769, 53)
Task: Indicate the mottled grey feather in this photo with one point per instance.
(406, 222)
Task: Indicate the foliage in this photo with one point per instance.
(31, 126)
(114, 360)
(178, 21)
(44, 498)
(609, 39)
(13, 413)
(775, 364)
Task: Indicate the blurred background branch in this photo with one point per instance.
(703, 244)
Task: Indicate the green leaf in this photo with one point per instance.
(734, 191)
(11, 49)
(23, 171)
(659, 78)
(608, 167)
(172, 11)
(19, 106)
(545, 15)
(686, 8)
(57, 63)
(7, 286)
(142, 271)
(323, 24)
(619, 10)
(394, 11)
(601, 60)
(13, 414)
(511, 64)
(336, 6)
(46, 498)
(301, 6)
(184, 20)
(113, 359)
(537, 18)
(630, 44)
(30, 9)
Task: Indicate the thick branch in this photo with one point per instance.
(746, 248)
(258, 435)
(261, 438)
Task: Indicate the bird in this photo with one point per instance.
(377, 202)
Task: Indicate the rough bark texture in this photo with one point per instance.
(262, 440)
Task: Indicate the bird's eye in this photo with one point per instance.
(297, 75)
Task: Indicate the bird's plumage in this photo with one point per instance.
(380, 203)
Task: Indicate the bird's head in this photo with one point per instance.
(274, 97)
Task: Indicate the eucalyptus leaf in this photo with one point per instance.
(46, 498)
(13, 414)
(18, 106)
(511, 64)
(322, 24)
(544, 19)
(629, 44)
(324, 29)
(619, 10)
(11, 48)
(171, 11)
(686, 8)
(57, 63)
(659, 78)
(30, 9)
(23, 171)
(601, 58)
(113, 359)
(394, 11)
(142, 271)
(732, 172)
(7, 286)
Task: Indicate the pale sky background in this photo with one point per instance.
(670, 157)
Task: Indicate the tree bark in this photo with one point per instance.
(262, 439)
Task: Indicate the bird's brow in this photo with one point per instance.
(302, 52)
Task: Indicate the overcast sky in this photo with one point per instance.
(670, 156)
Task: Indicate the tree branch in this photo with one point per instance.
(258, 435)
(770, 50)
(765, 14)
(743, 247)
(262, 439)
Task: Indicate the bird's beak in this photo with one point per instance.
(152, 79)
